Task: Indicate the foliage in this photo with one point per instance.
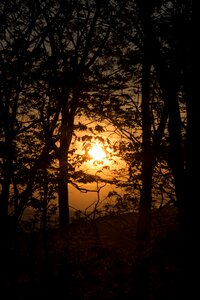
(72, 74)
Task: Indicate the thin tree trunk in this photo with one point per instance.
(144, 221)
(63, 169)
(189, 167)
(141, 267)
(63, 194)
(68, 113)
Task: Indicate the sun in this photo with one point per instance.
(97, 152)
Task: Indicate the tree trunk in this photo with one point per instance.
(63, 201)
(189, 167)
(143, 227)
(63, 192)
(141, 267)
(68, 113)
(176, 152)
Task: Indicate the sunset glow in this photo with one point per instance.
(97, 153)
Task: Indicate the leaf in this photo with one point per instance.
(99, 128)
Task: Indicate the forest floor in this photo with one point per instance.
(99, 261)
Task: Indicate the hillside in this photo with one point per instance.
(100, 261)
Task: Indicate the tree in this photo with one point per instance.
(76, 51)
(171, 63)
(16, 42)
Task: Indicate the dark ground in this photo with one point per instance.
(99, 261)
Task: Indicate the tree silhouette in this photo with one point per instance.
(76, 49)
(170, 66)
(125, 63)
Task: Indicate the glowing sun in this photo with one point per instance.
(97, 153)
